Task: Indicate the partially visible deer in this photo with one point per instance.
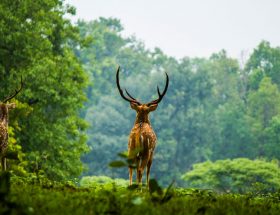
(4, 119)
(142, 135)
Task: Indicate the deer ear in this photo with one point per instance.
(11, 106)
(133, 105)
(153, 107)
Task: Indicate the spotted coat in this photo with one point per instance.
(4, 136)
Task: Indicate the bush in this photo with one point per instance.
(238, 175)
(102, 181)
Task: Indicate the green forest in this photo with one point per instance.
(218, 126)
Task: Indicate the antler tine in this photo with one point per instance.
(160, 96)
(131, 99)
(158, 91)
(16, 92)
(130, 95)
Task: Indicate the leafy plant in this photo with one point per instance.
(238, 175)
(25, 197)
(158, 194)
(102, 181)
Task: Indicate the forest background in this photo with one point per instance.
(70, 121)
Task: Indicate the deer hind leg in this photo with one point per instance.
(141, 169)
(139, 175)
(149, 164)
(143, 165)
(131, 157)
(130, 175)
(138, 171)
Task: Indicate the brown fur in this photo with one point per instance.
(143, 137)
(4, 136)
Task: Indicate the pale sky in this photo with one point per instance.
(194, 28)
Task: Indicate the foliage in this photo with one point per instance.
(102, 182)
(238, 175)
(271, 135)
(37, 42)
(264, 61)
(26, 198)
(214, 109)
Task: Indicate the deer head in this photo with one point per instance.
(4, 107)
(142, 109)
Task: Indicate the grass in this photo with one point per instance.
(33, 197)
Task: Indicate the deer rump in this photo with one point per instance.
(141, 144)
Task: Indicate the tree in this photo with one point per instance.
(236, 136)
(233, 124)
(272, 137)
(238, 175)
(207, 113)
(265, 61)
(36, 42)
(264, 103)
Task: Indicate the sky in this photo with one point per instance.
(193, 28)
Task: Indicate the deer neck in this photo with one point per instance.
(142, 118)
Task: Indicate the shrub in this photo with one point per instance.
(98, 181)
(238, 175)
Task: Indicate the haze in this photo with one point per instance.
(194, 28)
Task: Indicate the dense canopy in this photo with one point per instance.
(70, 120)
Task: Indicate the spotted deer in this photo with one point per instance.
(142, 135)
(4, 119)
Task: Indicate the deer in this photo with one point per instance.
(4, 119)
(142, 138)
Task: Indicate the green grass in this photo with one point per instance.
(53, 198)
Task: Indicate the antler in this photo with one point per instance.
(15, 93)
(160, 96)
(130, 99)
